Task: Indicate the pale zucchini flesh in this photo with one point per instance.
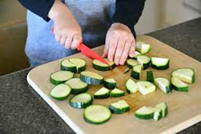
(59, 77)
(117, 93)
(144, 113)
(60, 92)
(160, 63)
(163, 84)
(142, 47)
(77, 85)
(185, 74)
(146, 87)
(131, 86)
(119, 107)
(144, 61)
(131, 63)
(82, 100)
(102, 93)
(91, 78)
(179, 85)
(136, 72)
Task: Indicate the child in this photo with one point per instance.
(89, 21)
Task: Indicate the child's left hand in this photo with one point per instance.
(120, 43)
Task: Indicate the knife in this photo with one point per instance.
(88, 52)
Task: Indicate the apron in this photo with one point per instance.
(94, 17)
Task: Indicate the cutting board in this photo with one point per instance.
(184, 108)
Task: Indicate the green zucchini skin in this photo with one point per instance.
(80, 105)
(117, 110)
(150, 76)
(56, 82)
(103, 68)
(145, 66)
(183, 89)
(90, 80)
(117, 95)
(109, 85)
(103, 96)
(126, 70)
(145, 117)
(135, 75)
(72, 69)
(78, 91)
(161, 67)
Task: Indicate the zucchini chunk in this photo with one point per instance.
(82, 100)
(117, 93)
(150, 76)
(119, 107)
(75, 65)
(131, 62)
(160, 63)
(144, 113)
(157, 113)
(144, 61)
(126, 70)
(77, 86)
(131, 86)
(142, 47)
(136, 54)
(185, 74)
(98, 65)
(178, 85)
(102, 93)
(97, 114)
(136, 71)
(91, 78)
(164, 108)
(59, 77)
(60, 92)
(146, 87)
(163, 84)
(110, 83)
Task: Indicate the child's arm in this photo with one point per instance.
(120, 41)
(66, 29)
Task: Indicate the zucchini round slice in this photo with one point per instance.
(59, 77)
(160, 63)
(110, 83)
(117, 93)
(119, 107)
(77, 86)
(144, 61)
(178, 85)
(60, 92)
(102, 93)
(163, 84)
(144, 113)
(146, 87)
(136, 54)
(150, 76)
(142, 47)
(131, 86)
(91, 78)
(97, 114)
(164, 108)
(185, 74)
(136, 71)
(131, 62)
(75, 65)
(82, 100)
(102, 66)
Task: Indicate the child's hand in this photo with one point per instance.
(119, 43)
(66, 29)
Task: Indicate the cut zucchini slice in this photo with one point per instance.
(75, 65)
(131, 62)
(163, 84)
(144, 113)
(98, 65)
(119, 107)
(102, 93)
(136, 54)
(164, 108)
(82, 100)
(144, 61)
(110, 83)
(97, 114)
(91, 78)
(136, 71)
(146, 87)
(117, 93)
(60, 92)
(131, 86)
(160, 63)
(150, 76)
(59, 77)
(77, 86)
(157, 113)
(142, 47)
(185, 74)
(178, 85)
(126, 70)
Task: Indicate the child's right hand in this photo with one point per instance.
(66, 29)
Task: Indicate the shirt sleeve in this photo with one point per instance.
(128, 12)
(39, 7)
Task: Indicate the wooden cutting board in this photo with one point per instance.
(184, 108)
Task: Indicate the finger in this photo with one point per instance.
(125, 52)
(132, 49)
(68, 42)
(119, 51)
(63, 40)
(77, 39)
(107, 44)
(112, 48)
(58, 38)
